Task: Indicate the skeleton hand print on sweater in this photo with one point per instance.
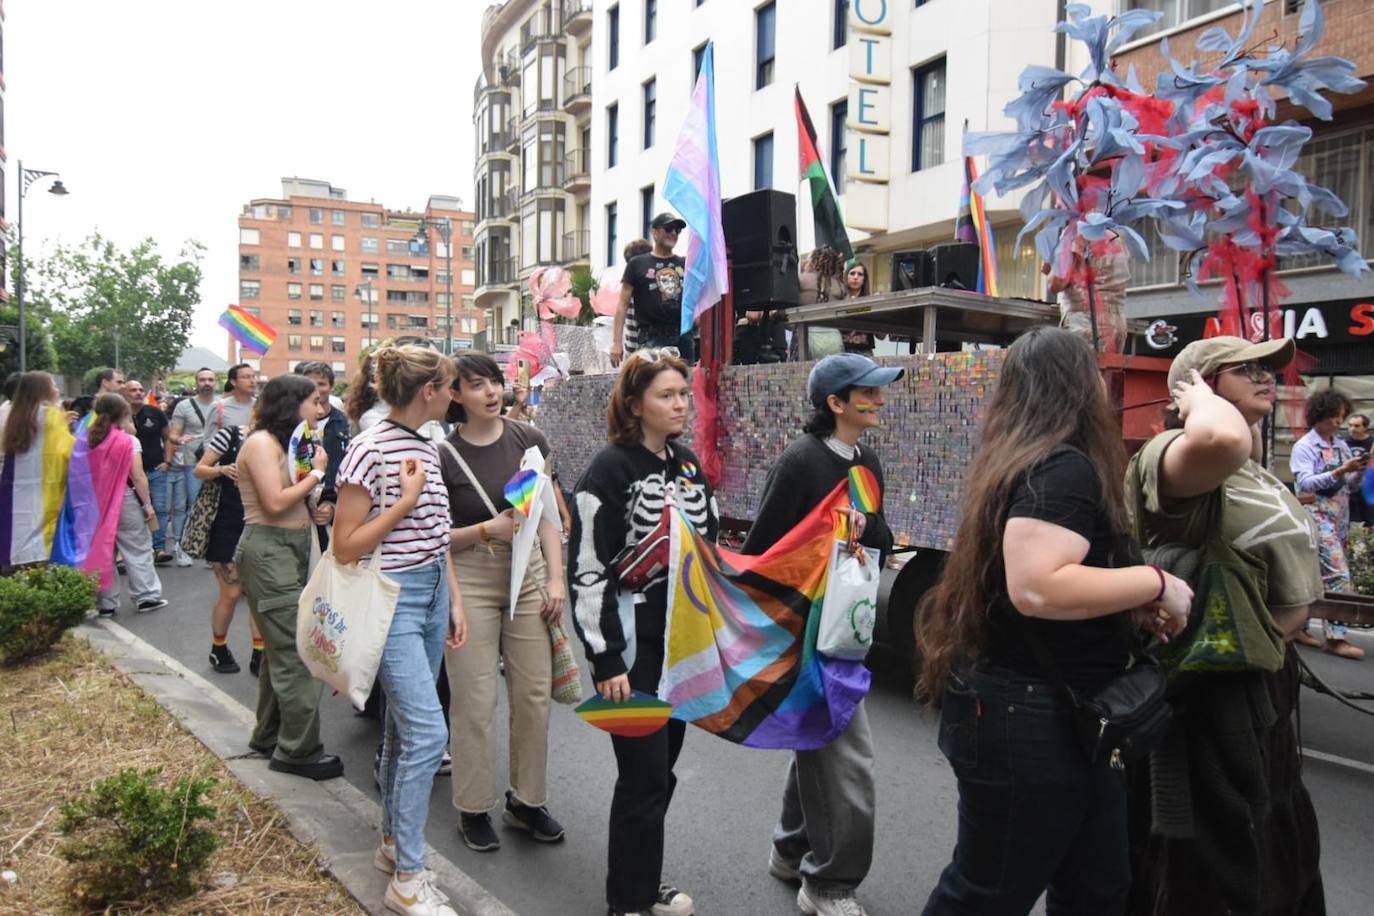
(618, 501)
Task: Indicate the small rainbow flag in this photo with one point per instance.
(863, 490)
(638, 716)
(251, 333)
(301, 450)
(520, 490)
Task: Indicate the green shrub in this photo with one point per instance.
(38, 605)
(135, 842)
(1361, 559)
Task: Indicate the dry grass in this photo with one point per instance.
(69, 719)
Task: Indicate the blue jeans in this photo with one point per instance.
(182, 488)
(651, 336)
(416, 731)
(157, 489)
(1033, 813)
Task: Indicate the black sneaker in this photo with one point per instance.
(534, 821)
(152, 604)
(163, 558)
(255, 663)
(477, 832)
(106, 612)
(222, 660)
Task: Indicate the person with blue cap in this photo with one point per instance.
(824, 839)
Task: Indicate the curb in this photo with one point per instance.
(332, 815)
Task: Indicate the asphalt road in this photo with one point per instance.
(728, 797)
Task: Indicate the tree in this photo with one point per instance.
(40, 354)
(99, 299)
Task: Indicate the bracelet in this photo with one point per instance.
(1159, 572)
(482, 531)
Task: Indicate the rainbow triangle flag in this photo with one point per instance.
(741, 643)
(638, 716)
(252, 333)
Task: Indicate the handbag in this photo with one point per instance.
(200, 519)
(849, 608)
(343, 618)
(567, 679)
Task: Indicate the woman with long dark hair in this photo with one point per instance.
(619, 501)
(273, 558)
(1040, 555)
(856, 287)
(35, 446)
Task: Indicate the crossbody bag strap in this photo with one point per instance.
(199, 416)
(472, 478)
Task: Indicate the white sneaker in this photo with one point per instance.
(817, 905)
(781, 869)
(672, 902)
(416, 897)
(180, 558)
(384, 860)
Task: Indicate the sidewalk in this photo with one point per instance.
(333, 815)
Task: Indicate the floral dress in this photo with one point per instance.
(1313, 461)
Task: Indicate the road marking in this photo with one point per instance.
(1339, 761)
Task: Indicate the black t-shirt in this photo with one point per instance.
(149, 424)
(1065, 490)
(657, 288)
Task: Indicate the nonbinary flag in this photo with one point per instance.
(693, 188)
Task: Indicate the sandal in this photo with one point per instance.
(1344, 649)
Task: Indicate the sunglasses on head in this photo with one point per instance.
(654, 354)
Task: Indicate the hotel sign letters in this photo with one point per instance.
(870, 114)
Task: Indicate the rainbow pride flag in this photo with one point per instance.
(33, 487)
(252, 333)
(638, 716)
(741, 642)
(972, 226)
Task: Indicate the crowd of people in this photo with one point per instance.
(1045, 601)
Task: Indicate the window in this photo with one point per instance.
(650, 111)
(650, 20)
(293, 290)
(317, 240)
(442, 299)
(370, 220)
(294, 317)
(336, 242)
(367, 244)
(839, 139)
(249, 237)
(336, 217)
(466, 227)
(316, 292)
(698, 55)
(612, 37)
(337, 293)
(646, 211)
(337, 344)
(317, 343)
(336, 267)
(612, 256)
(316, 318)
(612, 135)
(293, 240)
(1176, 12)
(369, 271)
(249, 289)
(928, 116)
(763, 161)
(293, 265)
(841, 24)
(765, 44)
(316, 216)
(293, 341)
(466, 253)
(248, 262)
(398, 246)
(398, 271)
(441, 278)
(317, 267)
(283, 213)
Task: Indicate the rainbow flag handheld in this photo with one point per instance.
(863, 490)
(519, 490)
(638, 716)
(251, 333)
(300, 448)
(742, 630)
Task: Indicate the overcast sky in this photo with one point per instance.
(164, 117)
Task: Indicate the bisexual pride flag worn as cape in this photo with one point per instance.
(33, 486)
(741, 640)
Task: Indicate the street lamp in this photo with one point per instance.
(26, 178)
(371, 315)
(444, 227)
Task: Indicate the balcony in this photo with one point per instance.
(577, 90)
(497, 207)
(540, 29)
(494, 280)
(577, 17)
(498, 141)
(577, 247)
(513, 135)
(577, 176)
(548, 176)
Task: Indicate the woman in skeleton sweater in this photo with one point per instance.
(618, 501)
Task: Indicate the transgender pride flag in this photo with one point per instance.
(693, 188)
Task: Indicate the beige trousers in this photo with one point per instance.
(473, 675)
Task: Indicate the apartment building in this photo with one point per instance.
(4, 161)
(333, 276)
(532, 117)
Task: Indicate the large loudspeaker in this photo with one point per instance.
(761, 233)
(912, 270)
(955, 265)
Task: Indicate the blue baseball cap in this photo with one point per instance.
(835, 373)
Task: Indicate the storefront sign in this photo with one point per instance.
(1342, 321)
(870, 114)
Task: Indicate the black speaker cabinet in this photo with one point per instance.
(912, 270)
(955, 265)
(761, 234)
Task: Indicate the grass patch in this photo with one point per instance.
(70, 719)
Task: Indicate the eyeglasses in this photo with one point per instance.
(654, 354)
(1255, 372)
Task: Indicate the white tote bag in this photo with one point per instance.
(343, 620)
(850, 605)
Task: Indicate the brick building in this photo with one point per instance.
(332, 275)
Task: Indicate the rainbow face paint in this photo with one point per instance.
(865, 407)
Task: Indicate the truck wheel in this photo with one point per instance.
(918, 575)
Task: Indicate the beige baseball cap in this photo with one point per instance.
(1210, 355)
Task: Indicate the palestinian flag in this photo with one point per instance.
(829, 223)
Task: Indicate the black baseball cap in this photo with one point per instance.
(668, 221)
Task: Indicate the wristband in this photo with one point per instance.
(482, 531)
(1159, 572)
(317, 474)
